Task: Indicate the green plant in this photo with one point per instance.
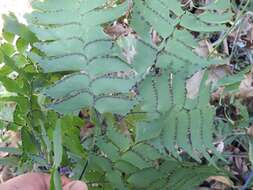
(129, 84)
(19, 77)
(22, 80)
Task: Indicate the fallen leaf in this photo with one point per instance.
(246, 86)
(222, 179)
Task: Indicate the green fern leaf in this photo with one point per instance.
(142, 166)
(78, 43)
(184, 123)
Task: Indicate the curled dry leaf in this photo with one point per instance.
(215, 73)
(204, 48)
(218, 72)
(192, 84)
(246, 86)
(118, 29)
(222, 179)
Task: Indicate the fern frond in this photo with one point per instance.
(184, 124)
(173, 24)
(73, 40)
(78, 44)
(163, 16)
(140, 165)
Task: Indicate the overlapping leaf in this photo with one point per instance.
(73, 40)
(185, 124)
(134, 165)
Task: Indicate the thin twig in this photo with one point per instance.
(237, 21)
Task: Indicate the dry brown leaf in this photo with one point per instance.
(225, 47)
(192, 84)
(204, 48)
(118, 29)
(215, 73)
(222, 179)
(246, 86)
(218, 72)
